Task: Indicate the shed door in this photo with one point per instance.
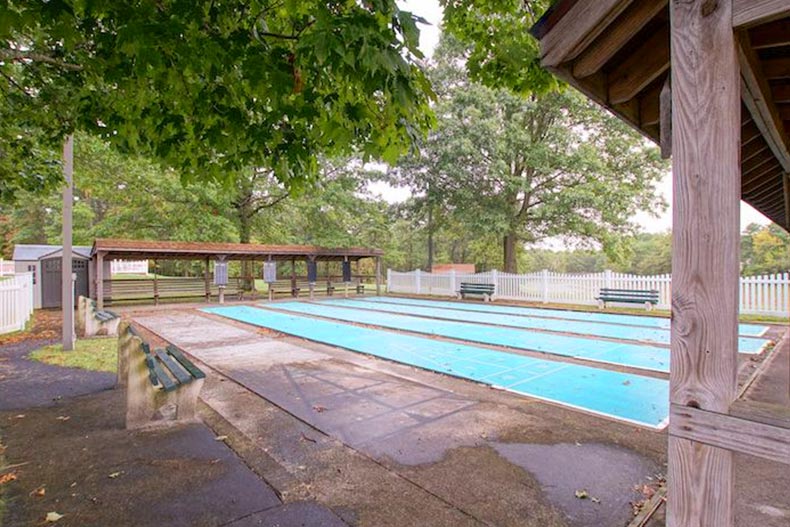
(51, 281)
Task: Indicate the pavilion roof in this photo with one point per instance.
(617, 52)
(157, 249)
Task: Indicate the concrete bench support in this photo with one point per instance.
(92, 322)
(148, 405)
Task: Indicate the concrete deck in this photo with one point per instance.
(465, 453)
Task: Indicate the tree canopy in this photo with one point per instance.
(210, 88)
(528, 168)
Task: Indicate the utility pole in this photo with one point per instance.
(67, 283)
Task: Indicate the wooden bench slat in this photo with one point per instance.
(193, 370)
(180, 374)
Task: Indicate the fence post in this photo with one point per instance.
(545, 283)
(452, 282)
(607, 279)
(389, 280)
(495, 279)
(418, 287)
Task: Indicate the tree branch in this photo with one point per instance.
(21, 56)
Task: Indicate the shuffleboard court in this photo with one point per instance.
(746, 330)
(748, 345)
(621, 354)
(626, 397)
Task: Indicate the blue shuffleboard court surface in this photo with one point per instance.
(621, 354)
(627, 397)
(750, 345)
(746, 330)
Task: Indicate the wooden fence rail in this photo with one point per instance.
(759, 295)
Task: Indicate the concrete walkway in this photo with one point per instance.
(492, 456)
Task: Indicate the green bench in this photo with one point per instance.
(485, 290)
(647, 297)
(169, 368)
(161, 384)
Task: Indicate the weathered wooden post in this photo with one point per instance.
(207, 280)
(67, 282)
(706, 109)
(378, 275)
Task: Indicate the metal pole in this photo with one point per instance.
(67, 287)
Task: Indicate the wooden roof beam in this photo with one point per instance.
(752, 12)
(582, 24)
(630, 22)
(781, 93)
(757, 96)
(646, 64)
(772, 35)
(776, 68)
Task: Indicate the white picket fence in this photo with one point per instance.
(16, 301)
(764, 295)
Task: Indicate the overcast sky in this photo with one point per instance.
(431, 11)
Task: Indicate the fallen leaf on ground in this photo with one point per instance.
(220, 438)
(52, 517)
(582, 494)
(115, 474)
(7, 478)
(63, 417)
(595, 500)
(318, 408)
(305, 438)
(19, 416)
(41, 491)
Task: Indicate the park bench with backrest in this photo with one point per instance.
(92, 321)
(487, 291)
(161, 384)
(647, 297)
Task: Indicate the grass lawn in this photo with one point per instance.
(96, 354)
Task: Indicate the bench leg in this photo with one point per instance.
(601, 304)
(648, 306)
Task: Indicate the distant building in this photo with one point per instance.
(44, 262)
(458, 268)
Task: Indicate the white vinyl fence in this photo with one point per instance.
(764, 295)
(16, 301)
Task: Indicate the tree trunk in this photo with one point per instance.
(245, 228)
(509, 245)
(430, 238)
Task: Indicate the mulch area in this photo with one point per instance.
(45, 325)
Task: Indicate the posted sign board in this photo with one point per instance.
(269, 272)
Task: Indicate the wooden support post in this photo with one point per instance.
(786, 184)
(706, 251)
(207, 280)
(665, 119)
(100, 280)
(293, 278)
(156, 283)
(378, 275)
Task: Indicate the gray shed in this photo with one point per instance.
(44, 262)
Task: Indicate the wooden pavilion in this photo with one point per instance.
(105, 250)
(709, 80)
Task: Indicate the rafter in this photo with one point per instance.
(753, 12)
(630, 22)
(646, 64)
(757, 96)
(577, 28)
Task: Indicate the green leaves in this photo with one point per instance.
(210, 89)
(519, 169)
